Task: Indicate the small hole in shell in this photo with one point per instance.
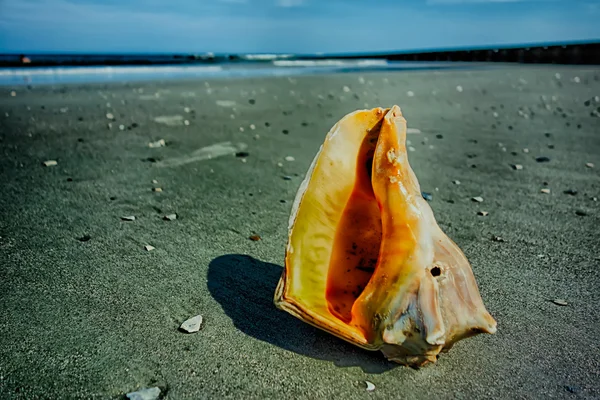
(436, 271)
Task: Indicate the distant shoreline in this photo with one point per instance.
(582, 53)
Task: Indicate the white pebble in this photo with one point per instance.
(525, 150)
(144, 394)
(110, 116)
(252, 126)
(545, 190)
(346, 89)
(589, 165)
(289, 158)
(122, 127)
(149, 247)
(576, 79)
(456, 182)
(459, 88)
(370, 386)
(50, 163)
(557, 75)
(478, 199)
(410, 148)
(13, 93)
(186, 109)
(186, 122)
(241, 129)
(410, 93)
(192, 325)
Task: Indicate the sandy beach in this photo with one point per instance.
(88, 312)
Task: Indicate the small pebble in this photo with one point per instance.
(572, 192)
(170, 217)
(186, 122)
(410, 148)
(525, 150)
(289, 158)
(456, 182)
(110, 116)
(545, 190)
(427, 196)
(186, 109)
(287, 178)
(154, 181)
(517, 167)
(128, 218)
(477, 199)
(542, 159)
(122, 127)
(242, 154)
(13, 93)
(410, 93)
(254, 238)
(411, 131)
(252, 126)
(497, 239)
(192, 325)
(149, 247)
(346, 89)
(370, 386)
(144, 394)
(50, 163)
(483, 213)
(560, 302)
(459, 88)
(157, 189)
(589, 165)
(158, 143)
(581, 213)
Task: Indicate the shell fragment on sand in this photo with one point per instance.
(366, 260)
(149, 247)
(128, 218)
(145, 394)
(170, 217)
(369, 386)
(204, 153)
(477, 199)
(158, 143)
(50, 163)
(192, 325)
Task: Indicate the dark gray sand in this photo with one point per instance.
(87, 312)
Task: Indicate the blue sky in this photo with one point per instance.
(301, 26)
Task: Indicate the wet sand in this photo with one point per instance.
(88, 313)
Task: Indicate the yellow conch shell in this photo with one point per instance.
(366, 260)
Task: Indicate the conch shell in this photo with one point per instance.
(366, 260)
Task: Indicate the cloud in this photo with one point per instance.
(290, 3)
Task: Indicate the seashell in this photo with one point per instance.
(366, 260)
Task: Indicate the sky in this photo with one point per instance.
(288, 26)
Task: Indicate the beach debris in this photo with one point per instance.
(289, 158)
(413, 131)
(483, 213)
(225, 103)
(589, 165)
(517, 167)
(497, 238)
(571, 192)
(192, 324)
(560, 302)
(169, 120)
(158, 143)
(545, 190)
(128, 218)
(157, 189)
(369, 386)
(242, 154)
(110, 116)
(204, 153)
(348, 294)
(170, 217)
(152, 393)
(542, 159)
(459, 88)
(581, 213)
(477, 199)
(456, 182)
(50, 163)
(149, 247)
(427, 196)
(84, 238)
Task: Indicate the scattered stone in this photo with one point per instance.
(517, 167)
(497, 239)
(241, 129)
(545, 190)
(410, 93)
(144, 394)
(186, 109)
(370, 386)
(157, 189)
(459, 88)
(411, 148)
(581, 213)
(477, 199)
(149, 247)
(560, 302)
(525, 150)
(427, 196)
(50, 163)
(84, 238)
(110, 116)
(483, 213)
(589, 165)
(242, 154)
(192, 325)
(254, 238)
(252, 126)
(287, 178)
(542, 159)
(572, 192)
(128, 218)
(158, 143)
(413, 131)
(186, 122)
(346, 89)
(122, 127)
(170, 217)
(289, 158)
